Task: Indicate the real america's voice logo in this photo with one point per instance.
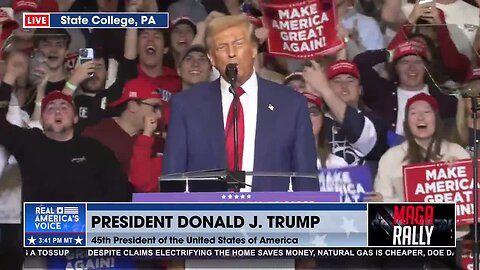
(53, 225)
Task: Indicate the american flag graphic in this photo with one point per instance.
(70, 210)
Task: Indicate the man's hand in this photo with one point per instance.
(17, 67)
(82, 72)
(149, 125)
(133, 5)
(316, 78)
(423, 11)
(262, 34)
(41, 86)
(373, 197)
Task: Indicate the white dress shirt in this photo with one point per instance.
(249, 102)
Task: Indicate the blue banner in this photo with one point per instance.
(350, 182)
(54, 224)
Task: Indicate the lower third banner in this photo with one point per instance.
(209, 225)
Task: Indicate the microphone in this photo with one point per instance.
(231, 72)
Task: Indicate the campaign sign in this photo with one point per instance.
(350, 182)
(54, 224)
(439, 182)
(411, 224)
(95, 20)
(301, 29)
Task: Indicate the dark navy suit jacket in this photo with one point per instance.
(283, 142)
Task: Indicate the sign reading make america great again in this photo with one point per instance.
(439, 182)
(301, 29)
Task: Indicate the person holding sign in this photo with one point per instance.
(424, 143)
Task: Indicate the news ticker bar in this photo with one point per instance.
(243, 225)
(162, 253)
(96, 20)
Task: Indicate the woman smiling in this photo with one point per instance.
(424, 143)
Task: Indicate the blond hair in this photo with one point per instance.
(222, 23)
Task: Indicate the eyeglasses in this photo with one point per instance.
(155, 107)
(314, 111)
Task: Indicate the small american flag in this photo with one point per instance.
(70, 210)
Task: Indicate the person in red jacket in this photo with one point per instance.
(145, 169)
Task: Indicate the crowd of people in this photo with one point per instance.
(158, 101)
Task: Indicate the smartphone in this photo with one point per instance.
(85, 55)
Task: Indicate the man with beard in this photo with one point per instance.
(92, 99)
(77, 168)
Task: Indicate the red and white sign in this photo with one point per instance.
(301, 29)
(439, 182)
(36, 20)
(71, 61)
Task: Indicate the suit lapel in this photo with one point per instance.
(214, 123)
(265, 118)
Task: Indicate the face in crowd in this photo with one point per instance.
(151, 47)
(151, 107)
(347, 87)
(195, 68)
(421, 120)
(234, 45)
(58, 117)
(96, 83)
(411, 72)
(54, 50)
(181, 38)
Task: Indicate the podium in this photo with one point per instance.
(220, 176)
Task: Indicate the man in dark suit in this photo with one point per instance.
(275, 133)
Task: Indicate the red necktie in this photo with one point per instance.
(229, 134)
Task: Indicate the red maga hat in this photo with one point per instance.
(342, 67)
(409, 48)
(138, 88)
(57, 94)
(425, 97)
(311, 98)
